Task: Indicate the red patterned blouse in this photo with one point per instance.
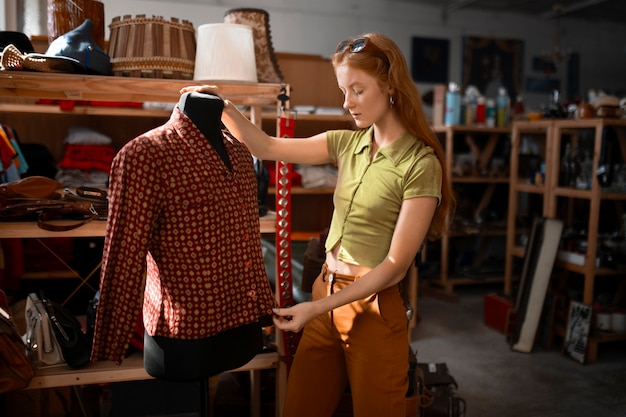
(181, 219)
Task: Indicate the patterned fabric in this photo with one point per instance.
(180, 218)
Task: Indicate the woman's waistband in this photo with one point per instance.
(328, 275)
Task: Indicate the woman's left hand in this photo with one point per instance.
(294, 318)
(209, 89)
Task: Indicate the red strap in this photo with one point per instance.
(284, 279)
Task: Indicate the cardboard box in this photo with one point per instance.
(496, 312)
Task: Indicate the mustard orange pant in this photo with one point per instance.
(363, 344)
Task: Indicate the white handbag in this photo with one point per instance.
(41, 343)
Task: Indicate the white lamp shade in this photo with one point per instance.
(225, 51)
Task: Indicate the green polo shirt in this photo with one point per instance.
(369, 193)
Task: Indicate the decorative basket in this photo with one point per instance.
(67, 15)
(152, 47)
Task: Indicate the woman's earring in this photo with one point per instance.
(391, 100)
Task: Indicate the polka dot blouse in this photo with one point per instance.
(182, 244)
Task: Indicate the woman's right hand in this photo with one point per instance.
(211, 89)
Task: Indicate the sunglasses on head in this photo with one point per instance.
(355, 45)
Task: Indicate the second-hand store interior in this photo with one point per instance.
(524, 299)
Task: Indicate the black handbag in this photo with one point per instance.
(75, 345)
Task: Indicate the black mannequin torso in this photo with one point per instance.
(198, 359)
(205, 111)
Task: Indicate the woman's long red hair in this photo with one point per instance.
(394, 72)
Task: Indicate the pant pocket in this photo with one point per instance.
(392, 311)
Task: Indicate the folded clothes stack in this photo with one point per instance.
(87, 159)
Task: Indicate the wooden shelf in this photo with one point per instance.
(481, 180)
(472, 129)
(587, 194)
(83, 110)
(526, 187)
(131, 369)
(477, 231)
(96, 228)
(36, 85)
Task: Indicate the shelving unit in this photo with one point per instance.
(524, 186)
(36, 123)
(487, 179)
(595, 196)
(598, 210)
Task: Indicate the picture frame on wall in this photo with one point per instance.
(490, 63)
(577, 331)
(429, 60)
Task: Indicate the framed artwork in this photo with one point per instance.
(429, 60)
(577, 332)
(490, 63)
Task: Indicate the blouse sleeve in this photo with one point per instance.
(133, 208)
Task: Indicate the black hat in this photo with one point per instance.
(18, 39)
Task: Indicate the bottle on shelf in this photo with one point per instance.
(519, 109)
(481, 111)
(555, 109)
(490, 113)
(470, 98)
(470, 110)
(453, 105)
(503, 108)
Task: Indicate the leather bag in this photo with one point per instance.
(30, 187)
(75, 346)
(16, 370)
(40, 199)
(41, 344)
(442, 387)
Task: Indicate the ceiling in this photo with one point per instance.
(589, 10)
